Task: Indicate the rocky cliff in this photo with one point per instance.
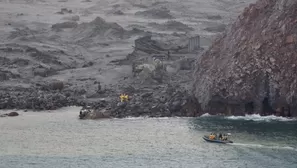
(251, 67)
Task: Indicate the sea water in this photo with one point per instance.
(59, 139)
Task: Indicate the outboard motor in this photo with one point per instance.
(82, 113)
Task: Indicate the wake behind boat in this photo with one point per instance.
(217, 139)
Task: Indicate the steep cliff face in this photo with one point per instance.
(251, 68)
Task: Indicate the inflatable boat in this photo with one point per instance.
(216, 140)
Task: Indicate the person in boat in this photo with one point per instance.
(212, 136)
(220, 136)
(224, 138)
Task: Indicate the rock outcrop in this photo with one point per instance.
(158, 103)
(89, 112)
(161, 101)
(36, 100)
(97, 30)
(251, 67)
(11, 114)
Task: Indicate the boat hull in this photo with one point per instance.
(216, 140)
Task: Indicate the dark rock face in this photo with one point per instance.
(159, 103)
(11, 114)
(32, 98)
(252, 66)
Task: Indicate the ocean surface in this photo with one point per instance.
(58, 139)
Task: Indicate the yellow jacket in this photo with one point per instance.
(124, 97)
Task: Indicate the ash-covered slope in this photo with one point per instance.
(252, 66)
(34, 64)
(98, 29)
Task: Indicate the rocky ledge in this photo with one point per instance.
(162, 101)
(153, 101)
(251, 67)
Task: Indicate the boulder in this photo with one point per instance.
(94, 113)
(11, 114)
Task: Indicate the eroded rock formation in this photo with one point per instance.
(251, 67)
(11, 114)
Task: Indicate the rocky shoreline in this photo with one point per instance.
(159, 101)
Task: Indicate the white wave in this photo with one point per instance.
(163, 118)
(205, 115)
(153, 118)
(264, 146)
(62, 109)
(135, 118)
(257, 117)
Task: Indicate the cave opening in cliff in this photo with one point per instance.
(266, 108)
(249, 107)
